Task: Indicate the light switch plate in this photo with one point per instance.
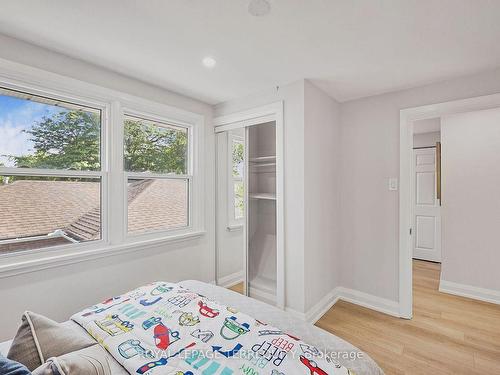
(393, 184)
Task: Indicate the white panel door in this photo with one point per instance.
(427, 218)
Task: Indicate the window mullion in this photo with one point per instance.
(116, 191)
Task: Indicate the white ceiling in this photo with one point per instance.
(350, 48)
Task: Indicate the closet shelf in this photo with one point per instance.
(263, 165)
(265, 196)
(263, 159)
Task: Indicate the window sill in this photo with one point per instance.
(19, 264)
(234, 227)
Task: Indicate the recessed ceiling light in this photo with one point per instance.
(259, 8)
(209, 62)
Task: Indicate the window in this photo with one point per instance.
(156, 161)
(50, 172)
(236, 179)
(68, 192)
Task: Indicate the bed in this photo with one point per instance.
(348, 355)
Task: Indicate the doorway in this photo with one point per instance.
(407, 206)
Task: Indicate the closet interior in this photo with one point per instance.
(247, 210)
(261, 217)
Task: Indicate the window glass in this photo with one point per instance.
(237, 173)
(238, 158)
(157, 204)
(238, 200)
(154, 147)
(37, 132)
(39, 212)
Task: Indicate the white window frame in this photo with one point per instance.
(113, 104)
(101, 175)
(159, 120)
(233, 222)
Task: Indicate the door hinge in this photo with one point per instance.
(410, 231)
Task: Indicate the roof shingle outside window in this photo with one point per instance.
(31, 208)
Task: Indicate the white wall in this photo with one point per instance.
(322, 194)
(427, 125)
(293, 98)
(426, 139)
(471, 198)
(59, 292)
(370, 155)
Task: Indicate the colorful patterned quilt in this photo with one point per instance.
(163, 328)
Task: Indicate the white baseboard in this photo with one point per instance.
(349, 295)
(231, 280)
(481, 294)
(318, 310)
(325, 304)
(369, 301)
(321, 307)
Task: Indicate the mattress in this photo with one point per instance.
(348, 355)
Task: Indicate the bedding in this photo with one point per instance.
(346, 354)
(165, 328)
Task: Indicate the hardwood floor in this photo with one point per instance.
(447, 335)
(238, 288)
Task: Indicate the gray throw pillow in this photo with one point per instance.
(88, 361)
(39, 338)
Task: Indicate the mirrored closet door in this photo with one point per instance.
(231, 218)
(247, 210)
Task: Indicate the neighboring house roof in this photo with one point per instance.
(159, 204)
(34, 208)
